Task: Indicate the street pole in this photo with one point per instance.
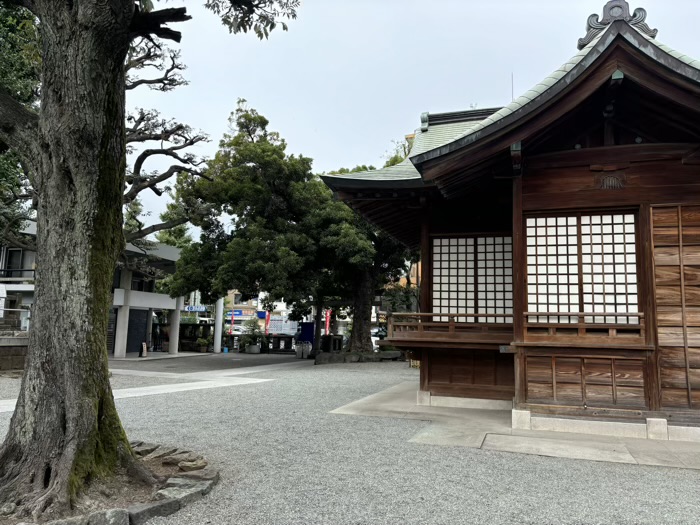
(219, 325)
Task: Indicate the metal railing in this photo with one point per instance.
(17, 274)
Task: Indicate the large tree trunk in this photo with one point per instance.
(65, 429)
(360, 336)
(318, 319)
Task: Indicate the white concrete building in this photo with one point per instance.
(134, 299)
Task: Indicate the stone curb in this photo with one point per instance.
(192, 483)
(327, 358)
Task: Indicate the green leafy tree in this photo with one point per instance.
(382, 260)
(285, 223)
(65, 429)
(19, 73)
(399, 152)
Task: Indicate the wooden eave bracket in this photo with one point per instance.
(516, 155)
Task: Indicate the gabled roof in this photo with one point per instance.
(446, 133)
(634, 34)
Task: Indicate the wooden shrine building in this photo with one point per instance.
(560, 239)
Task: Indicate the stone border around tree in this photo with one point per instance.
(193, 481)
(328, 358)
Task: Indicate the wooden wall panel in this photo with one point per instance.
(568, 370)
(669, 316)
(469, 373)
(596, 382)
(668, 295)
(674, 397)
(599, 395)
(673, 316)
(668, 276)
(677, 273)
(629, 397)
(539, 369)
(667, 256)
(598, 371)
(691, 235)
(673, 357)
(690, 215)
(540, 392)
(568, 187)
(666, 236)
(665, 217)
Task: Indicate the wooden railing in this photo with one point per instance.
(560, 328)
(592, 328)
(449, 326)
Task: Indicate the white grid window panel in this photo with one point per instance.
(473, 275)
(609, 268)
(583, 264)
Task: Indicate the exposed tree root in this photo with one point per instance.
(24, 484)
(138, 471)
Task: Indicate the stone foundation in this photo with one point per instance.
(652, 428)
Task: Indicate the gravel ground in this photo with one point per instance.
(285, 460)
(9, 387)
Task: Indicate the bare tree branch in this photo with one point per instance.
(9, 234)
(171, 151)
(152, 182)
(167, 81)
(145, 232)
(143, 54)
(147, 126)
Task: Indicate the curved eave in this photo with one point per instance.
(367, 183)
(674, 61)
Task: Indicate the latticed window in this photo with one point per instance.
(582, 264)
(473, 275)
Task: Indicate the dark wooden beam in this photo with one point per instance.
(692, 158)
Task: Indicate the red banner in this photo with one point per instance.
(328, 322)
(267, 323)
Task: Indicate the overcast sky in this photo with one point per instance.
(351, 76)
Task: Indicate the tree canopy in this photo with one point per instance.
(288, 236)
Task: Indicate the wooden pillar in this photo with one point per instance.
(426, 265)
(645, 268)
(426, 284)
(519, 295)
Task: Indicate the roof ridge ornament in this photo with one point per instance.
(616, 10)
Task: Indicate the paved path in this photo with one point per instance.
(287, 459)
(491, 430)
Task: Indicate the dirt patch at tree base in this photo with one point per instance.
(183, 477)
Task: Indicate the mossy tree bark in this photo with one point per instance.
(65, 429)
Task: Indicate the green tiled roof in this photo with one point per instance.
(423, 141)
(532, 98)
